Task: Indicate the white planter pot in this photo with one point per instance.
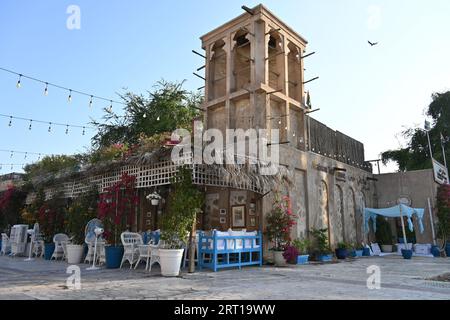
(278, 258)
(155, 202)
(170, 260)
(386, 248)
(74, 253)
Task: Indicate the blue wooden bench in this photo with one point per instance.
(220, 251)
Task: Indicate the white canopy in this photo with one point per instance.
(393, 212)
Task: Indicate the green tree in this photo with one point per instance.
(416, 155)
(184, 203)
(167, 108)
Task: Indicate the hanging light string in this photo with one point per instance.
(12, 165)
(50, 123)
(69, 90)
(25, 153)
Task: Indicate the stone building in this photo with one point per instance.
(255, 79)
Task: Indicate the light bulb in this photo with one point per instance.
(84, 131)
(18, 85)
(157, 119)
(69, 99)
(10, 121)
(50, 127)
(279, 122)
(12, 153)
(31, 122)
(144, 116)
(110, 107)
(90, 102)
(26, 153)
(46, 89)
(67, 129)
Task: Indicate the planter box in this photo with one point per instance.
(48, 250)
(359, 253)
(170, 261)
(278, 258)
(407, 254)
(341, 254)
(325, 257)
(303, 259)
(74, 253)
(113, 256)
(366, 252)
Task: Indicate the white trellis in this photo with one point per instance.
(153, 175)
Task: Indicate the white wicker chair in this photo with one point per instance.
(131, 242)
(6, 245)
(38, 246)
(60, 240)
(154, 254)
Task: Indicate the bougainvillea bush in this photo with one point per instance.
(11, 203)
(279, 223)
(81, 210)
(443, 211)
(51, 218)
(116, 208)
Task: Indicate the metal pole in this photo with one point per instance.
(429, 145)
(403, 227)
(431, 220)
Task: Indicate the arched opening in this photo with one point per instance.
(217, 70)
(294, 72)
(241, 61)
(276, 61)
(350, 222)
(338, 223)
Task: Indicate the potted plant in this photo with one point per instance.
(185, 202)
(384, 234)
(358, 249)
(51, 221)
(78, 215)
(116, 209)
(290, 254)
(322, 250)
(154, 198)
(302, 247)
(342, 250)
(278, 227)
(443, 215)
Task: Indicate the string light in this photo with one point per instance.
(26, 154)
(69, 99)
(46, 89)
(31, 121)
(18, 85)
(12, 154)
(84, 131)
(157, 119)
(110, 106)
(67, 129)
(50, 127)
(144, 116)
(90, 102)
(48, 84)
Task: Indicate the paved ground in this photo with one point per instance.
(400, 279)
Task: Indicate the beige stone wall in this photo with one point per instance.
(415, 185)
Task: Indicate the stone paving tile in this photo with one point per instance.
(401, 279)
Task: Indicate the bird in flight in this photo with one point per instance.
(372, 43)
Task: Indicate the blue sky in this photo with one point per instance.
(367, 93)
